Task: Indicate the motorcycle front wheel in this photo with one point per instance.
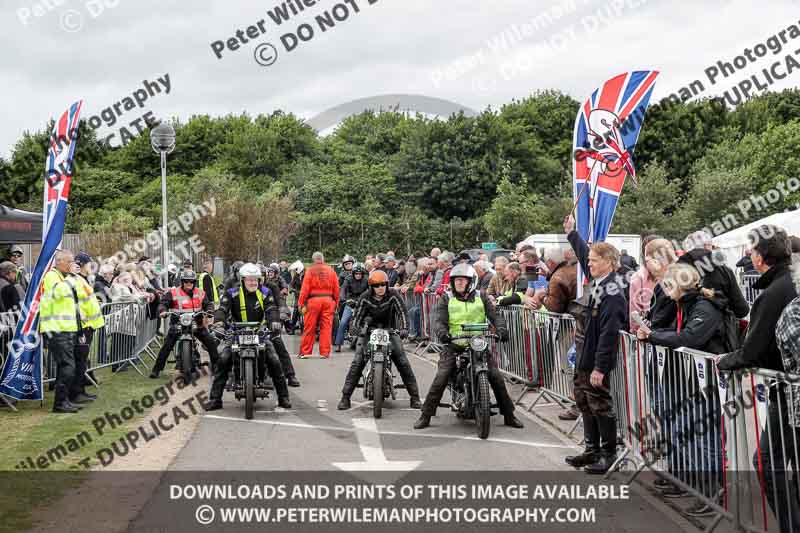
(249, 388)
(377, 391)
(187, 361)
(482, 406)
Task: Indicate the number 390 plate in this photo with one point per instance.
(379, 337)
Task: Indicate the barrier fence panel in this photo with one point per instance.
(553, 340)
(750, 293)
(514, 358)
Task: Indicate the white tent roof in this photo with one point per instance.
(734, 242)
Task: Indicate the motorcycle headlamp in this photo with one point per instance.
(186, 319)
(478, 344)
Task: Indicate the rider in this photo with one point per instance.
(385, 309)
(351, 290)
(464, 305)
(185, 298)
(251, 302)
(347, 269)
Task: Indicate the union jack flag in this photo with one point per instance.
(21, 377)
(606, 131)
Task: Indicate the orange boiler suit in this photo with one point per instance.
(320, 295)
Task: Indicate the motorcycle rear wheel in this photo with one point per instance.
(187, 361)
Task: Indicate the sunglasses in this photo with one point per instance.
(380, 285)
(16, 254)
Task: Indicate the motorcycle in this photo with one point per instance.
(187, 356)
(469, 385)
(378, 377)
(246, 340)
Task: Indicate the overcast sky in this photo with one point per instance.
(448, 49)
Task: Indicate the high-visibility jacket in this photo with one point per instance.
(184, 302)
(460, 312)
(201, 283)
(57, 305)
(89, 306)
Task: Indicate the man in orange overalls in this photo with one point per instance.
(318, 299)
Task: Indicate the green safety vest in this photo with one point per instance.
(243, 304)
(57, 305)
(461, 312)
(91, 316)
(214, 291)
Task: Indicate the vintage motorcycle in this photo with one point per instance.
(378, 377)
(187, 356)
(469, 385)
(246, 341)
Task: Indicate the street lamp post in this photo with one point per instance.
(162, 139)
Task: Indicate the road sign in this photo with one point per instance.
(489, 245)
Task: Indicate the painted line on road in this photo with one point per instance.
(345, 429)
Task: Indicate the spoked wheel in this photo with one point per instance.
(482, 406)
(249, 389)
(377, 394)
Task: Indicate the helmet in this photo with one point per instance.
(378, 277)
(172, 269)
(348, 259)
(276, 266)
(188, 275)
(297, 266)
(359, 268)
(273, 269)
(464, 270)
(15, 249)
(249, 270)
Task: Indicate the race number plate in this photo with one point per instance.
(379, 337)
(248, 340)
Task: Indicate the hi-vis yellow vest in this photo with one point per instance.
(214, 291)
(91, 317)
(57, 306)
(461, 312)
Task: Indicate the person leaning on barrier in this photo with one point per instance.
(698, 325)
(185, 298)
(714, 273)
(58, 321)
(771, 255)
(16, 256)
(251, 302)
(485, 275)
(464, 305)
(380, 307)
(497, 284)
(562, 283)
(12, 295)
(787, 337)
(514, 287)
(605, 315)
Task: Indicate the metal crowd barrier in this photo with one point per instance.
(724, 438)
(747, 281)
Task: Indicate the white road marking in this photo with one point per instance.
(421, 434)
(369, 440)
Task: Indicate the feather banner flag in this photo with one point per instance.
(606, 131)
(21, 377)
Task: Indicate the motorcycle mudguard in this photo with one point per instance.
(378, 356)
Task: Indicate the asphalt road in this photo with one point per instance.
(313, 441)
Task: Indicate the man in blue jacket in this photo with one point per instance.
(605, 315)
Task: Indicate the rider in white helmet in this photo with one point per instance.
(250, 302)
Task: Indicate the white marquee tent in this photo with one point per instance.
(734, 243)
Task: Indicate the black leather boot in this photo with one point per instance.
(422, 422)
(591, 434)
(608, 435)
